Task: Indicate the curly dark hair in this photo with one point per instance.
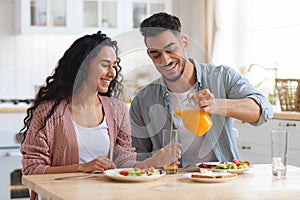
(71, 72)
(158, 23)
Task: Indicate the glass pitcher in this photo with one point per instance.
(193, 120)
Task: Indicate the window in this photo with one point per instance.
(265, 32)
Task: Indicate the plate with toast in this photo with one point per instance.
(210, 177)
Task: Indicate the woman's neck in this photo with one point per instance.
(86, 111)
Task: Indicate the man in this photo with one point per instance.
(217, 90)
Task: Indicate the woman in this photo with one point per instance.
(74, 124)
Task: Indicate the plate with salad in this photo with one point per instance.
(236, 166)
(134, 174)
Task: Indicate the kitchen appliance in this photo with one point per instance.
(10, 161)
(16, 101)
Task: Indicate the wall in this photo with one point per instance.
(191, 14)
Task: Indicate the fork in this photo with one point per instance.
(79, 176)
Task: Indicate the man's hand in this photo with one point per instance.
(205, 100)
(245, 109)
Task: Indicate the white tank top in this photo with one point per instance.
(92, 142)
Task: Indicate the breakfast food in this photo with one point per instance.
(235, 164)
(141, 172)
(206, 165)
(214, 175)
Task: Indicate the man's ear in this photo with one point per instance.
(185, 42)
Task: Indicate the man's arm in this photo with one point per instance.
(243, 109)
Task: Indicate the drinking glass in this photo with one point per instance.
(170, 145)
(193, 120)
(279, 152)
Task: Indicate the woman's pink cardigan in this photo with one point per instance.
(56, 144)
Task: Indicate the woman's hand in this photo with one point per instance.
(99, 164)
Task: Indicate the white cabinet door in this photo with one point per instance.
(112, 17)
(255, 142)
(293, 129)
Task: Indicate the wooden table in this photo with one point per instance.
(257, 183)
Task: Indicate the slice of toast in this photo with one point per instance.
(228, 175)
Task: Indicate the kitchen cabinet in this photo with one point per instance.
(255, 142)
(42, 16)
(83, 16)
(140, 9)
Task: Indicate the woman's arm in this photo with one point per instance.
(99, 164)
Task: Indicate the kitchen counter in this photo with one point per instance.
(13, 110)
(287, 115)
(277, 114)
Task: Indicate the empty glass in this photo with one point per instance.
(279, 152)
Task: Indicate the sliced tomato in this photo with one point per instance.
(237, 162)
(247, 163)
(124, 172)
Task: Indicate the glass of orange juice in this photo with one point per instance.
(193, 120)
(170, 139)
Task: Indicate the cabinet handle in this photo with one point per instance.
(244, 147)
(7, 154)
(287, 124)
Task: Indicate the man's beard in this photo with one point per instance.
(179, 74)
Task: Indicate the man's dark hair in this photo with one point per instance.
(158, 23)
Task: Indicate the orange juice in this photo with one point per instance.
(171, 169)
(195, 121)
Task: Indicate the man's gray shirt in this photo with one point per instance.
(150, 111)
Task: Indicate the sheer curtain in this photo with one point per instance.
(264, 32)
(258, 31)
(224, 43)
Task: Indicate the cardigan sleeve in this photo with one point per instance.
(35, 149)
(124, 154)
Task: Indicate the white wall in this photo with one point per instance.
(25, 60)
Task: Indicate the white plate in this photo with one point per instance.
(114, 175)
(237, 171)
(208, 180)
